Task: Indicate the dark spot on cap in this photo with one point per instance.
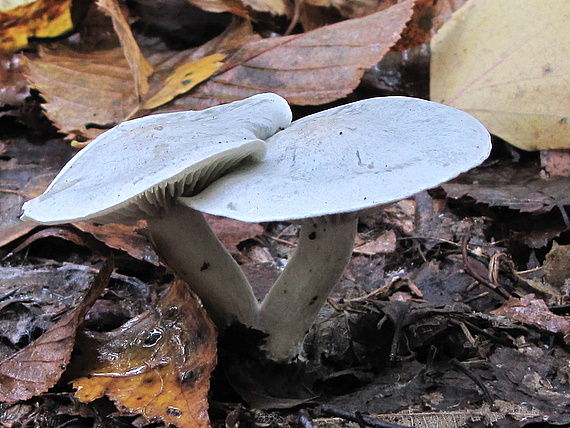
(313, 300)
(205, 266)
(313, 235)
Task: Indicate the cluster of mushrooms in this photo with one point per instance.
(245, 160)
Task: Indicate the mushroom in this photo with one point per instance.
(326, 170)
(138, 169)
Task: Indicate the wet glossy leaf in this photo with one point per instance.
(159, 363)
(37, 367)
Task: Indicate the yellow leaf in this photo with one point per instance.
(42, 18)
(140, 68)
(185, 78)
(506, 63)
(158, 364)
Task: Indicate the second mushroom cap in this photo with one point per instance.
(350, 158)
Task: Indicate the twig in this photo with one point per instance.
(471, 271)
(295, 20)
(353, 417)
(461, 367)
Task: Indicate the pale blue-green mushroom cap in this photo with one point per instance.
(138, 166)
(350, 159)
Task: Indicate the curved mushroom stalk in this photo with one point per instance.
(185, 241)
(294, 301)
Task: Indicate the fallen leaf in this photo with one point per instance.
(37, 367)
(122, 237)
(348, 8)
(233, 6)
(140, 68)
(311, 68)
(384, 244)
(83, 88)
(159, 363)
(40, 18)
(22, 178)
(184, 78)
(231, 232)
(275, 7)
(532, 311)
(14, 87)
(557, 266)
(506, 63)
(516, 187)
(65, 233)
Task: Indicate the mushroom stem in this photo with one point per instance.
(294, 301)
(186, 243)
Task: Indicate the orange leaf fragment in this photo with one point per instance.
(159, 363)
(40, 18)
(37, 367)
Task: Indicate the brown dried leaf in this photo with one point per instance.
(39, 18)
(275, 7)
(140, 68)
(122, 237)
(532, 311)
(14, 87)
(233, 6)
(165, 357)
(384, 244)
(311, 68)
(557, 266)
(232, 232)
(517, 187)
(37, 367)
(83, 88)
(63, 233)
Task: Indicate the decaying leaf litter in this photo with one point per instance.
(419, 330)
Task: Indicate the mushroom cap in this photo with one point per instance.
(138, 166)
(348, 159)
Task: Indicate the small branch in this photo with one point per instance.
(456, 364)
(471, 271)
(359, 418)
